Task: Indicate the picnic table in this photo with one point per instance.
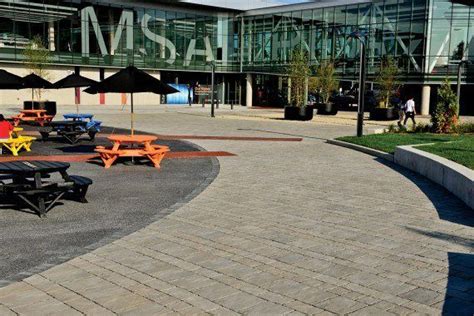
(78, 116)
(27, 183)
(85, 117)
(132, 146)
(70, 130)
(36, 116)
(17, 142)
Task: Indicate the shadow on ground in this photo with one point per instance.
(449, 207)
(460, 288)
(459, 297)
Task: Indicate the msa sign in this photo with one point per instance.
(125, 30)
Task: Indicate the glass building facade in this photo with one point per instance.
(427, 37)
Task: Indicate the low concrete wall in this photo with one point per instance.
(456, 178)
(370, 151)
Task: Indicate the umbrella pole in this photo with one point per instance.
(133, 114)
(32, 95)
(131, 122)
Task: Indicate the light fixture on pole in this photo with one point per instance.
(213, 73)
(360, 104)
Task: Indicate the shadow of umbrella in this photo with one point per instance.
(34, 81)
(131, 80)
(74, 81)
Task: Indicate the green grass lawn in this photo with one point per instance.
(458, 148)
(461, 151)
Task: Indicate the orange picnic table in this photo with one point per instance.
(132, 146)
(38, 116)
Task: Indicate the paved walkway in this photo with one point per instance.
(286, 228)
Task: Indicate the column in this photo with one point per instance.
(51, 44)
(425, 100)
(249, 89)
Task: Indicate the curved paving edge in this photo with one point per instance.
(108, 239)
(367, 150)
(455, 178)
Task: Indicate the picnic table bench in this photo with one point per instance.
(32, 116)
(69, 130)
(23, 181)
(124, 146)
(17, 142)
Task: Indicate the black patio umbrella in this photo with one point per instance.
(10, 81)
(131, 80)
(34, 81)
(74, 81)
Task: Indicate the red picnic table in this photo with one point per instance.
(132, 146)
(38, 116)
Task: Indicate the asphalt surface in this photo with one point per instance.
(122, 200)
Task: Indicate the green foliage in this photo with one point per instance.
(299, 71)
(422, 128)
(392, 128)
(464, 128)
(445, 118)
(387, 79)
(37, 57)
(325, 82)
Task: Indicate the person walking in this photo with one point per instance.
(410, 111)
(5, 129)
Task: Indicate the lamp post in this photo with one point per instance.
(213, 73)
(458, 88)
(360, 105)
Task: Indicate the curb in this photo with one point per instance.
(455, 178)
(370, 151)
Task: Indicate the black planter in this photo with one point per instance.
(327, 109)
(383, 114)
(295, 113)
(49, 106)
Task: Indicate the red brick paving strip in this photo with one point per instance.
(82, 158)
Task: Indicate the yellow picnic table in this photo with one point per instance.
(17, 142)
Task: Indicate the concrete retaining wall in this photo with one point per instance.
(456, 178)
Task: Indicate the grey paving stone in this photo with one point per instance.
(341, 305)
(239, 302)
(423, 296)
(334, 235)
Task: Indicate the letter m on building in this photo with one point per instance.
(88, 17)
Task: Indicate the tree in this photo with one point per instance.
(299, 71)
(387, 80)
(445, 117)
(325, 81)
(37, 57)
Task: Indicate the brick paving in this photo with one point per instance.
(286, 228)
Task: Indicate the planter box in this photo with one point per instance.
(327, 109)
(384, 114)
(49, 106)
(295, 113)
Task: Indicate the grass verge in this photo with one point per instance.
(458, 148)
(460, 151)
